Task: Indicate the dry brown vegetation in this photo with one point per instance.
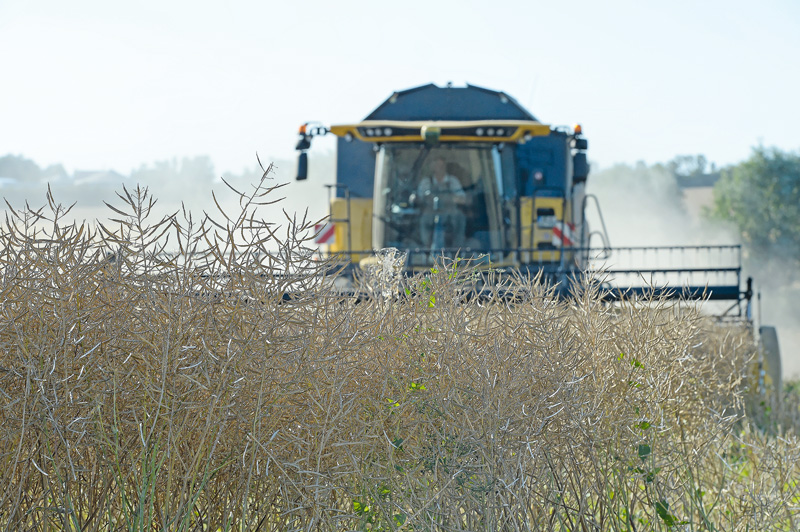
(209, 390)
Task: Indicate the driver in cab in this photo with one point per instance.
(441, 197)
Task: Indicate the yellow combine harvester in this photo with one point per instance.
(438, 170)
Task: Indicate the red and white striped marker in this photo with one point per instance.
(567, 236)
(324, 233)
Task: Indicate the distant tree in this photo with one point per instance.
(20, 168)
(158, 171)
(761, 196)
(688, 165)
(198, 169)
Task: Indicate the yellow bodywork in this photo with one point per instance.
(533, 236)
(518, 129)
(357, 226)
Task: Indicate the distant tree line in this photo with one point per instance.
(189, 180)
(198, 168)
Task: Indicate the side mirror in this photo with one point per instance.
(580, 168)
(580, 144)
(304, 143)
(302, 166)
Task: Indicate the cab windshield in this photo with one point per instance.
(445, 197)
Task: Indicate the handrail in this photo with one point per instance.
(604, 234)
(338, 186)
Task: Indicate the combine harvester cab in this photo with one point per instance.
(469, 172)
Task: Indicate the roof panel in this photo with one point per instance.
(429, 102)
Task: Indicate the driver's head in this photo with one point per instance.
(439, 167)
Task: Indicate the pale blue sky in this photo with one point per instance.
(99, 84)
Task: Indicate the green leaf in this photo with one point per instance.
(399, 519)
(360, 508)
(662, 509)
(643, 425)
(621, 356)
(651, 475)
(644, 451)
(417, 387)
(398, 443)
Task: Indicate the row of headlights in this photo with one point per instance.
(378, 132)
(490, 132)
(372, 132)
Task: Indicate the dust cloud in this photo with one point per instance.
(644, 206)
